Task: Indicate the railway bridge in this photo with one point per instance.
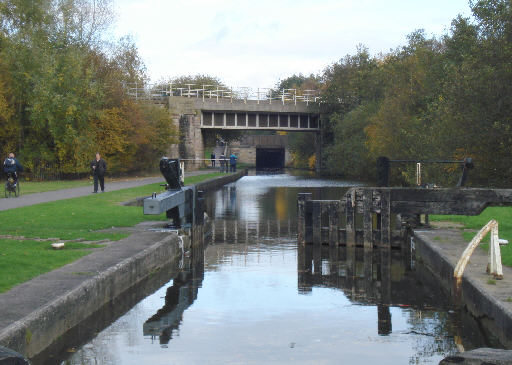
(197, 110)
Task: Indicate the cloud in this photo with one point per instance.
(254, 43)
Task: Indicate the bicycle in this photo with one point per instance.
(12, 186)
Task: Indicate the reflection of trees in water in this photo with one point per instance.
(257, 202)
(243, 232)
(431, 333)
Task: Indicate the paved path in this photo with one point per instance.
(485, 298)
(48, 196)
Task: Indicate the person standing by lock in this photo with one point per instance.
(98, 167)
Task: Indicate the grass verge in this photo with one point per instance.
(22, 260)
(82, 217)
(31, 187)
(502, 214)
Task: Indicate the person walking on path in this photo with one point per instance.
(232, 162)
(223, 163)
(99, 167)
(212, 157)
(12, 167)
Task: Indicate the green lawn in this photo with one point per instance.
(81, 217)
(502, 214)
(30, 187)
(21, 260)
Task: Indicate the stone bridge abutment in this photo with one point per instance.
(194, 116)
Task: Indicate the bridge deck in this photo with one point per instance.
(250, 114)
(274, 121)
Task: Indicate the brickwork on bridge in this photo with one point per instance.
(246, 148)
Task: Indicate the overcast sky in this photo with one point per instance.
(256, 43)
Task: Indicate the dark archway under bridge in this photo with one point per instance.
(195, 115)
(270, 158)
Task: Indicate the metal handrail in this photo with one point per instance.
(494, 266)
(161, 91)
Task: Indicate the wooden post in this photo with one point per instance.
(301, 263)
(384, 326)
(351, 267)
(368, 268)
(334, 262)
(350, 217)
(385, 218)
(301, 216)
(317, 260)
(304, 272)
(317, 222)
(334, 219)
(367, 219)
(385, 275)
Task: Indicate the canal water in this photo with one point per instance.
(251, 296)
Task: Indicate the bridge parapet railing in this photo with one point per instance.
(157, 92)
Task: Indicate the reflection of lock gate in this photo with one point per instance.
(184, 205)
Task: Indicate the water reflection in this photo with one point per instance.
(178, 298)
(254, 297)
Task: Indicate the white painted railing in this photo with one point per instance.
(216, 92)
(494, 258)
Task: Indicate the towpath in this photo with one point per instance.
(48, 196)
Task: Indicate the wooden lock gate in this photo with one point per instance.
(334, 221)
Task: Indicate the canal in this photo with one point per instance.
(249, 295)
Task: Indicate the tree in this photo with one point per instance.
(62, 96)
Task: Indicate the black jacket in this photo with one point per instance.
(101, 167)
(12, 165)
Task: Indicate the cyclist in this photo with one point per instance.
(12, 167)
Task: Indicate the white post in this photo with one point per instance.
(217, 94)
(182, 168)
(494, 266)
(494, 258)
(258, 95)
(203, 93)
(418, 174)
